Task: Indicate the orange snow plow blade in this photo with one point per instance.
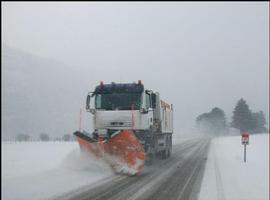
(123, 150)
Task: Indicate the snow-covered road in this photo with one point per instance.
(178, 177)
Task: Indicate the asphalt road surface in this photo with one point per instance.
(176, 178)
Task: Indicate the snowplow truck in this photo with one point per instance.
(131, 125)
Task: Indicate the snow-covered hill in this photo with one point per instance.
(39, 95)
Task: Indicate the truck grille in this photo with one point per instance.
(117, 124)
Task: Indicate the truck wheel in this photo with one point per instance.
(170, 151)
(150, 159)
(163, 154)
(170, 144)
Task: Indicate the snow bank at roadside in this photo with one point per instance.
(40, 170)
(227, 177)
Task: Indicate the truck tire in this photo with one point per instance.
(170, 146)
(150, 159)
(163, 154)
(167, 151)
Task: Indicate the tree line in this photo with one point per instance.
(44, 137)
(243, 119)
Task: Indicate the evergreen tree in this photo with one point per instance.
(44, 137)
(219, 119)
(22, 137)
(213, 122)
(66, 137)
(258, 122)
(242, 116)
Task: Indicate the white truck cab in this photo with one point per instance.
(130, 106)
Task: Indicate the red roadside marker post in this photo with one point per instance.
(245, 141)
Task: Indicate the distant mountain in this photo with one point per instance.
(38, 95)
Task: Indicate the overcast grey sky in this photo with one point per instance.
(198, 55)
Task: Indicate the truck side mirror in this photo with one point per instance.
(88, 98)
(88, 102)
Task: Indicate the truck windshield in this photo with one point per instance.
(118, 101)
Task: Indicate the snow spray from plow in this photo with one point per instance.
(122, 150)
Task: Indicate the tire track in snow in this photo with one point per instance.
(182, 180)
(220, 190)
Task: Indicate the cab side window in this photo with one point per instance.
(98, 101)
(148, 102)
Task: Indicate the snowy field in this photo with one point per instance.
(41, 170)
(228, 177)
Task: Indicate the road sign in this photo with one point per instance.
(245, 141)
(245, 138)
